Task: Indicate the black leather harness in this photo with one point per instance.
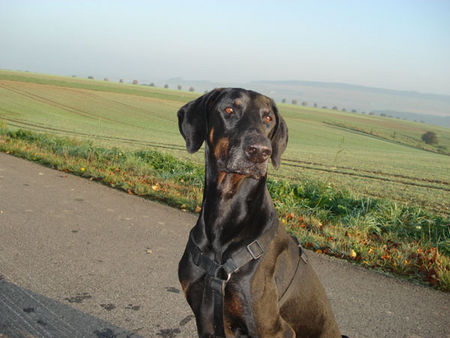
(219, 274)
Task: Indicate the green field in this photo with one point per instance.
(373, 156)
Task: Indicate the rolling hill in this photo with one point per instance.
(429, 108)
(371, 155)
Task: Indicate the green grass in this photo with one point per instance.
(389, 131)
(101, 86)
(377, 233)
(324, 145)
(132, 116)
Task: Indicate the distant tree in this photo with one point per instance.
(152, 84)
(383, 114)
(315, 105)
(354, 111)
(335, 108)
(283, 100)
(372, 113)
(90, 77)
(430, 137)
(294, 101)
(105, 79)
(121, 80)
(135, 82)
(344, 110)
(74, 76)
(191, 89)
(179, 87)
(304, 103)
(324, 107)
(363, 112)
(166, 86)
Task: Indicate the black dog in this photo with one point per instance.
(242, 274)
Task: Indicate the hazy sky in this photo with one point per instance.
(391, 44)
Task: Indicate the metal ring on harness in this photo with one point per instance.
(219, 274)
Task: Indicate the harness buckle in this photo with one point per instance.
(255, 249)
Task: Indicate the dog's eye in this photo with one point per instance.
(229, 110)
(268, 119)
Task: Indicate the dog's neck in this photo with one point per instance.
(231, 210)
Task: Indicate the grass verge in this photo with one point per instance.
(376, 233)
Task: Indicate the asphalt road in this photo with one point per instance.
(79, 259)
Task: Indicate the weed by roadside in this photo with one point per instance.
(376, 233)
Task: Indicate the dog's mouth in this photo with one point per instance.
(255, 171)
(236, 162)
(241, 173)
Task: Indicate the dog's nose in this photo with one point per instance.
(258, 153)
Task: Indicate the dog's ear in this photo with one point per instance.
(279, 139)
(192, 120)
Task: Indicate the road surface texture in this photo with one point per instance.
(79, 259)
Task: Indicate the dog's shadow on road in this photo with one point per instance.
(24, 313)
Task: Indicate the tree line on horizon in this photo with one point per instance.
(429, 137)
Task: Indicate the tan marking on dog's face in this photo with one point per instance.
(221, 148)
(229, 184)
(221, 177)
(211, 135)
(236, 179)
(263, 101)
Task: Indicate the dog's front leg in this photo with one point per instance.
(192, 280)
(269, 322)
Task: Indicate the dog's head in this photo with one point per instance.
(242, 128)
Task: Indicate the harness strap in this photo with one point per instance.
(301, 257)
(220, 274)
(218, 288)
